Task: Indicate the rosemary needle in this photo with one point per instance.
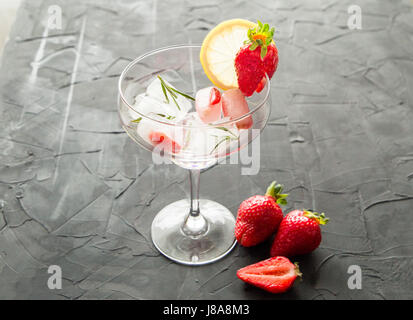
(172, 92)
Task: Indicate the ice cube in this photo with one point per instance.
(234, 106)
(168, 137)
(207, 141)
(208, 104)
(133, 114)
(151, 107)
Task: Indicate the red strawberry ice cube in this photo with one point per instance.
(234, 106)
(161, 139)
(208, 104)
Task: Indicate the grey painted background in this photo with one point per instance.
(76, 192)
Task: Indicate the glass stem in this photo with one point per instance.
(195, 224)
(194, 180)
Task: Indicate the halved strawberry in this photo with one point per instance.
(275, 275)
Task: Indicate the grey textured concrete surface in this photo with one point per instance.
(76, 192)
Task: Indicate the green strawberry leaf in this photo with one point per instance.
(260, 36)
(274, 190)
(319, 217)
(254, 46)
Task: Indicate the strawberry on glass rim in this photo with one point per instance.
(238, 53)
(258, 57)
(219, 49)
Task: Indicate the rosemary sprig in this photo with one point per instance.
(166, 116)
(227, 130)
(182, 94)
(164, 91)
(172, 92)
(226, 138)
(166, 88)
(158, 114)
(138, 120)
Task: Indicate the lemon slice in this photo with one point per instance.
(219, 49)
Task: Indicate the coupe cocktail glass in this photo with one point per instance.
(194, 231)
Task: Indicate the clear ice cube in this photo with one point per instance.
(206, 141)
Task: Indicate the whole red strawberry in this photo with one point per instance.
(274, 275)
(299, 233)
(259, 216)
(258, 57)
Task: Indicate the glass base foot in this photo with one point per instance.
(216, 240)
